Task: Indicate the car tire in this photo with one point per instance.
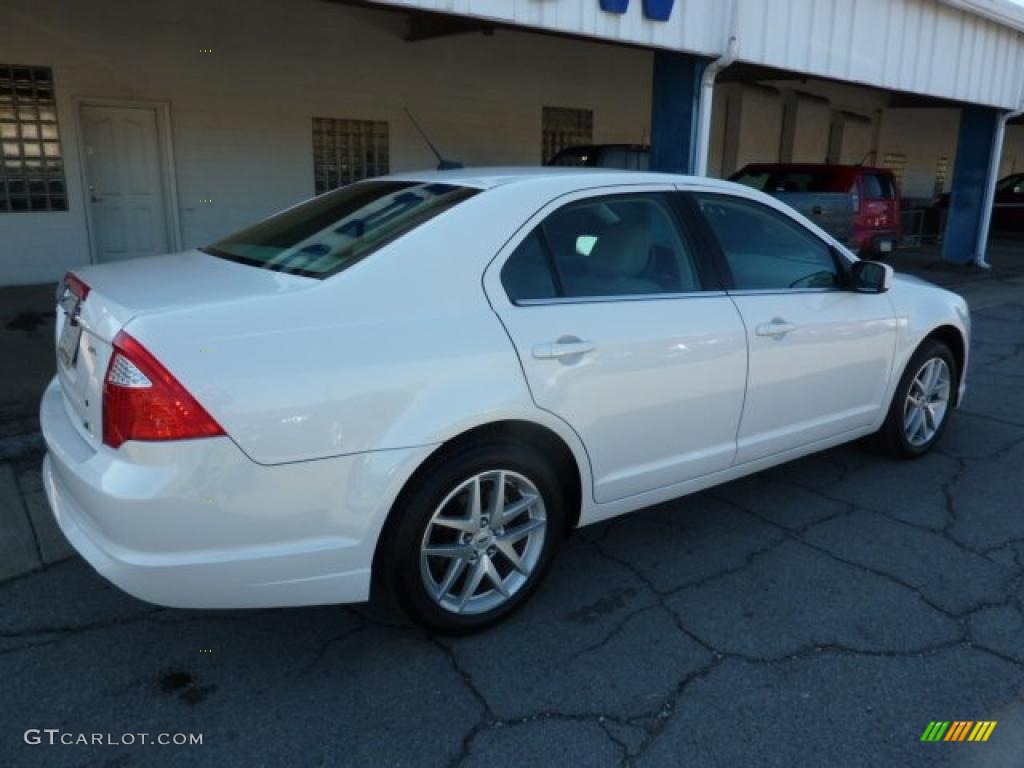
(920, 410)
(435, 514)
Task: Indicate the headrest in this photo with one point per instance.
(622, 251)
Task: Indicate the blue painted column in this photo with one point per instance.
(674, 111)
(970, 175)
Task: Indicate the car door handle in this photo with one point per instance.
(569, 347)
(816, 210)
(777, 328)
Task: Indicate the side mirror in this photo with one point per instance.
(871, 277)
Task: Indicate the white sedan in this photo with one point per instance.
(424, 382)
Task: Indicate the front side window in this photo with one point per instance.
(764, 249)
(333, 231)
(622, 245)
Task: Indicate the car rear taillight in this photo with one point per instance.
(143, 401)
(76, 285)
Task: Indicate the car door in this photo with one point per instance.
(624, 333)
(820, 355)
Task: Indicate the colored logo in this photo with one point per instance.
(958, 730)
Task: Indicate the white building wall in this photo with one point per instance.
(917, 46)
(923, 136)
(241, 116)
(760, 131)
(719, 115)
(805, 133)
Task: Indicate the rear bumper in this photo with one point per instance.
(197, 524)
(876, 240)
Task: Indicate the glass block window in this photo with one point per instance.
(31, 165)
(897, 163)
(941, 174)
(348, 150)
(563, 127)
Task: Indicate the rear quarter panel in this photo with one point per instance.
(401, 349)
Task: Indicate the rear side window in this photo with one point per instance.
(528, 273)
(774, 182)
(333, 231)
(765, 250)
(621, 245)
(878, 187)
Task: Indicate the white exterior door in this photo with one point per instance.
(820, 355)
(619, 336)
(125, 185)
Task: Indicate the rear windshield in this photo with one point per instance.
(878, 186)
(774, 182)
(333, 231)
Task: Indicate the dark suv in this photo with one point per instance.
(629, 157)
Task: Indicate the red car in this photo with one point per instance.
(857, 205)
(1008, 211)
(1009, 204)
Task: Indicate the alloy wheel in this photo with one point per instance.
(927, 402)
(483, 541)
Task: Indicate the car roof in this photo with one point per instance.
(487, 178)
(815, 168)
(552, 181)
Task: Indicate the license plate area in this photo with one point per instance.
(885, 246)
(70, 334)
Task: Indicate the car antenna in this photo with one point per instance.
(865, 158)
(442, 164)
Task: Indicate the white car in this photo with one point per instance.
(425, 381)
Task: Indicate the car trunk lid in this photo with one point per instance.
(114, 294)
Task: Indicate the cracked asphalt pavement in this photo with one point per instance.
(821, 613)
